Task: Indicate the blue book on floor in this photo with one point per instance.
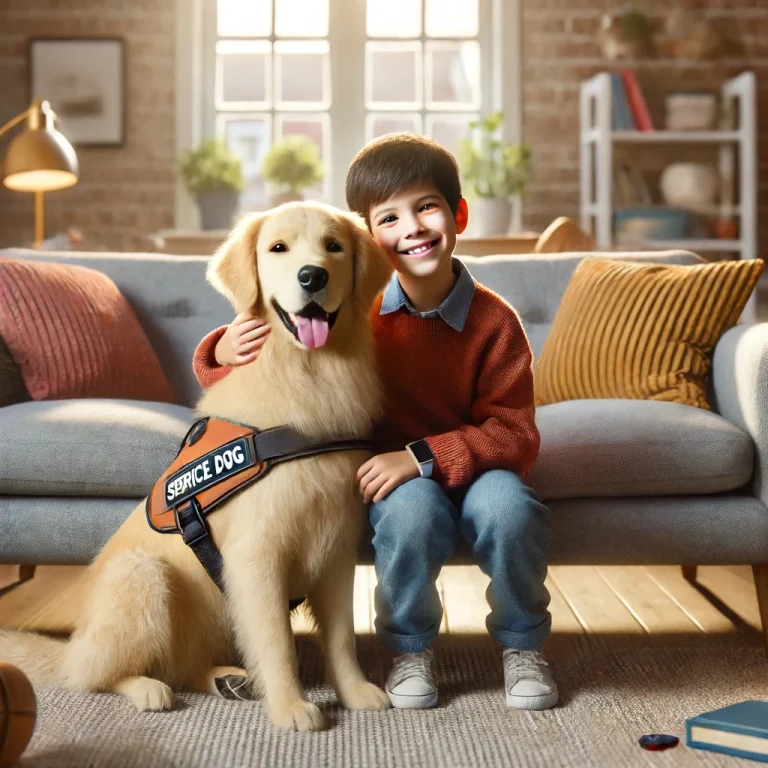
(740, 729)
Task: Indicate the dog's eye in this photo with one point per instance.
(279, 248)
(333, 247)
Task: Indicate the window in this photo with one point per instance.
(341, 72)
(272, 79)
(422, 68)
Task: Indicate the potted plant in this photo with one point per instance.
(291, 165)
(493, 173)
(214, 177)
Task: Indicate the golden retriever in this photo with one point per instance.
(152, 620)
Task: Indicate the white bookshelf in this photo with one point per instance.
(598, 138)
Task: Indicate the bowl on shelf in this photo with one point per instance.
(691, 111)
(643, 224)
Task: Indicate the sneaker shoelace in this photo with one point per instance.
(524, 664)
(412, 665)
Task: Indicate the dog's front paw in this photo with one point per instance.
(147, 694)
(297, 716)
(364, 695)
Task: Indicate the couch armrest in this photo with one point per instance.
(740, 385)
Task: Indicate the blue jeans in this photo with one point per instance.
(415, 527)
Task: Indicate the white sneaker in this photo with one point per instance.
(528, 683)
(411, 681)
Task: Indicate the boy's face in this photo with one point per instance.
(417, 229)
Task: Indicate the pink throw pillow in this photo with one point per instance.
(73, 334)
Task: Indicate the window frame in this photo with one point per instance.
(501, 87)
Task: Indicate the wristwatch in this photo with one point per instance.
(422, 455)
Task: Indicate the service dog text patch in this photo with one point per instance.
(209, 469)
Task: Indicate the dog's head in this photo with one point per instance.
(303, 265)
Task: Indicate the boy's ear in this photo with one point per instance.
(233, 269)
(372, 268)
(462, 216)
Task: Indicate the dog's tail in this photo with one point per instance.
(39, 657)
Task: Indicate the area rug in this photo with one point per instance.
(613, 690)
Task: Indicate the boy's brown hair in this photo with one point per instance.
(391, 164)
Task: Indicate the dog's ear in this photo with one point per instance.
(372, 268)
(232, 270)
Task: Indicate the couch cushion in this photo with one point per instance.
(170, 296)
(534, 284)
(80, 526)
(637, 448)
(177, 307)
(102, 447)
(641, 331)
(74, 334)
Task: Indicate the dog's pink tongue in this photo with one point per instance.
(313, 332)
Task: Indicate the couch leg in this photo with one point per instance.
(760, 573)
(26, 572)
(689, 572)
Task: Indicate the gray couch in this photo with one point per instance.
(627, 482)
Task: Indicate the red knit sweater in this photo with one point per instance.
(469, 392)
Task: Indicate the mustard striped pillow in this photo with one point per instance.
(641, 331)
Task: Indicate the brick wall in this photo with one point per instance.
(560, 48)
(123, 193)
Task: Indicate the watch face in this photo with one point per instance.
(422, 451)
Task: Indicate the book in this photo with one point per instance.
(630, 187)
(739, 729)
(637, 104)
(639, 184)
(622, 116)
(623, 194)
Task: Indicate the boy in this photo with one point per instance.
(458, 440)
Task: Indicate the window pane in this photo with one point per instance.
(311, 126)
(243, 73)
(249, 138)
(449, 129)
(453, 75)
(244, 18)
(302, 74)
(451, 18)
(316, 128)
(393, 18)
(393, 74)
(301, 18)
(380, 124)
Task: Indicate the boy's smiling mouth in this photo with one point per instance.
(422, 249)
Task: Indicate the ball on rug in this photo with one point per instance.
(18, 712)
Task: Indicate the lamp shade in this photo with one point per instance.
(40, 159)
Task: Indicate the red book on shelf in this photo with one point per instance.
(637, 101)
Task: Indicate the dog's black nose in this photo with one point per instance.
(313, 279)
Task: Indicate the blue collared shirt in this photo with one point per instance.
(454, 308)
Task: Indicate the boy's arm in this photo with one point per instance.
(204, 364)
(503, 434)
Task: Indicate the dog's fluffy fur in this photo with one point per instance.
(152, 621)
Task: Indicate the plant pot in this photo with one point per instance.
(218, 208)
(278, 198)
(492, 216)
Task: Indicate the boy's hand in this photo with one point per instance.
(380, 475)
(242, 341)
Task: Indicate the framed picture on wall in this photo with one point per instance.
(84, 79)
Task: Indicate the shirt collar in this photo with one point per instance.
(454, 308)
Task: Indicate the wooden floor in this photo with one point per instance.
(595, 600)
